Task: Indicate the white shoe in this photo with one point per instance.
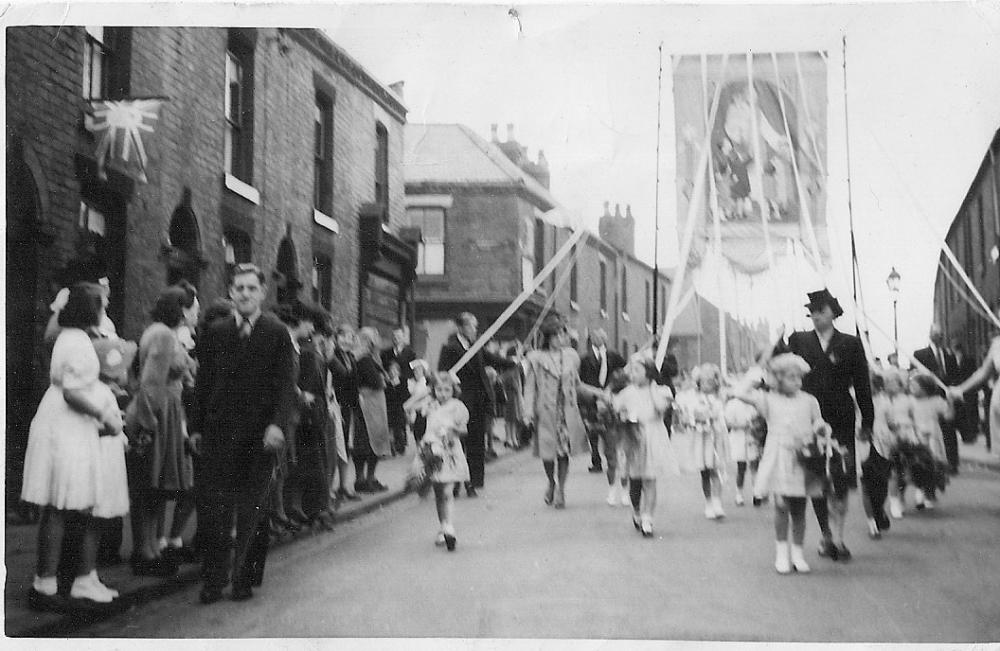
(48, 586)
(613, 498)
(896, 508)
(97, 580)
(710, 511)
(646, 526)
(781, 562)
(717, 507)
(929, 504)
(918, 500)
(739, 499)
(85, 588)
(626, 498)
(439, 541)
(799, 561)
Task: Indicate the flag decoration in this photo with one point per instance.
(119, 126)
(767, 153)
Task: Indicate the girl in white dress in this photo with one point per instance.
(893, 424)
(700, 435)
(641, 405)
(66, 467)
(745, 433)
(793, 420)
(447, 422)
(929, 409)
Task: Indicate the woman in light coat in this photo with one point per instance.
(551, 385)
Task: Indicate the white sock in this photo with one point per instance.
(176, 542)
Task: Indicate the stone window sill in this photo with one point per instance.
(242, 189)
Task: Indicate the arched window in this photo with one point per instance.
(184, 261)
(287, 271)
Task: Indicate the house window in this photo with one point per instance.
(527, 252)
(649, 295)
(239, 111)
(430, 252)
(105, 62)
(539, 241)
(603, 285)
(323, 155)
(322, 280)
(572, 278)
(663, 304)
(382, 167)
(92, 220)
(624, 291)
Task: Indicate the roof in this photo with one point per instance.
(453, 154)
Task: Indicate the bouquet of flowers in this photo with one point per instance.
(927, 473)
(823, 461)
(427, 461)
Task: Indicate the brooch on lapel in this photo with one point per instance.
(833, 358)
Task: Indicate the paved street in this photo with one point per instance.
(525, 570)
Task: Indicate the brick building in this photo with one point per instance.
(273, 146)
(489, 224)
(974, 238)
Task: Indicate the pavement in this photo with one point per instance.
(525, 570)
(20, 543)
(580, 562)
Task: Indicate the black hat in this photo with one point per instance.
(823, 297)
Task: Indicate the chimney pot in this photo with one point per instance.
(628, 211)
(607, 212)
(618, 210)
(510, 132)
(397, 88)
(542, 161)
(493, 132)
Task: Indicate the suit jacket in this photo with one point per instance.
(473, 378)
(590, 367)
(926, 357)
(242, 387)
(405, 356)
(833, 373)
(668, 371)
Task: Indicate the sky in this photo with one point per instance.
(580, 82)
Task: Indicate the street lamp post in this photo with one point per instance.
(892, 282)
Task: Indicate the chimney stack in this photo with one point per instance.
(542, 161)
(618, 211)
(628, 211)
(397, 88)
(510, 132)
(607, 212)
(493, 133)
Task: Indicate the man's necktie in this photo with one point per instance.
(245, 329)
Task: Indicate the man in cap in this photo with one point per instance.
(838, 364)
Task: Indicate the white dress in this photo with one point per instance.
(699, 433)
(67, 464)
(740, 417)
(442, 421)
(650, 455)
(790, 421)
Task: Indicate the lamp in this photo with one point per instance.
(892, 282)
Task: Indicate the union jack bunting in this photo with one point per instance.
(119, 125)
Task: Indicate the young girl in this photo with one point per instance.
(793, 419)
(700, 433)
(447, 420)
(893, 423)
(928, 411)
(642, 405)
(745, 434)
(420, 398)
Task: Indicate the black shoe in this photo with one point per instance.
(209, 595)
(180, 555)
(882, 521)
(470, 491)
(491, 454)
(257, 575)
(828, 549)
(843, 554)
(375, 486)
(109, 560)
(450, 541)
(595, 468)
(142, 566)
(454, 492)
(241, 593)
(54, 603)
(362, 486)
(757, 502)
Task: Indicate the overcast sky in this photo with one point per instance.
(580, 82)
(923, 82)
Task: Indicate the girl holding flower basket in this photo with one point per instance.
(793, 463)
(440, 459)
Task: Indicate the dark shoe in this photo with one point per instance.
(550, 494)
(595, 468)
(491, 454)
(450, 541)
(843, 554)
(209, 595)
(455, 491)
(54, 603)
(828, 549)
(300, 517)
(257, 575)
(470, 491)
(882, 521)
(142, 566)
(348, 495)
(323, 521)
(362, 486)
(376, 486)
(286, 524)
(242, 593)
(180, 555)
(757, 502)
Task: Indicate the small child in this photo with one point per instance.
(420, 398)
(641, 405)
(745, 436)
(893, 424)
(793, 420)
(700, 436)
(929, 409)
(447, 420)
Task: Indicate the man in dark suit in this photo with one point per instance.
(596, 368)
(967, 411)
(245, 402)
(474, 383)
(400, 354)
(941, 362)
(837, 362)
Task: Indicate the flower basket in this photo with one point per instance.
(425, 463)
